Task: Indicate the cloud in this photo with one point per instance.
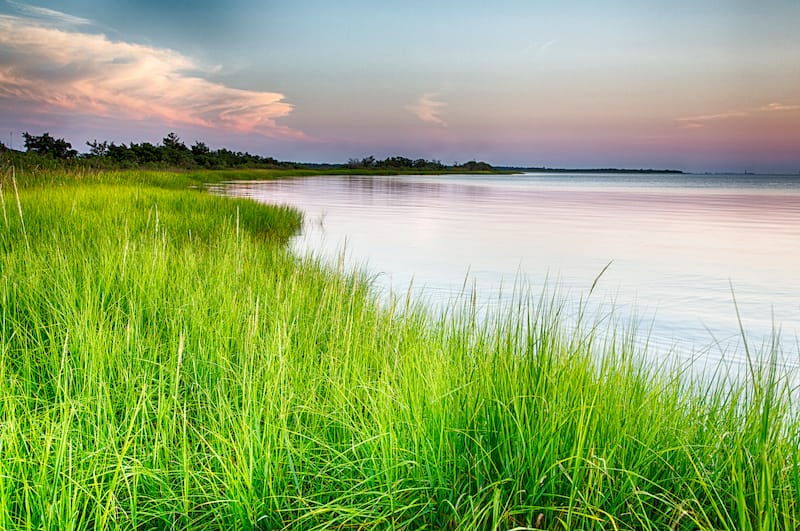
(428, 109)
(712, 117)
(546, 46)
(779, 107)
(699, 121)
(538, 48)
(49, 14)
(57, 69)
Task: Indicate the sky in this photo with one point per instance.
(698, 85)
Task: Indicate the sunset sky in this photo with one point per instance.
(688, 84)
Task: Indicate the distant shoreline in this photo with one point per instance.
(583, 170)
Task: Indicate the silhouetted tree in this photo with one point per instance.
(475, 166)
(98, 149)
(200, 148)
(175, 152)
(121, 154)
(173, 141)
(145, 153)
(201, 154)
(48, 146)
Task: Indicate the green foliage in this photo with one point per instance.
(173, 154)
(47, 146)
(474, 167)
(165, 363)
(404, 164)
(396, 163)
(98, 149)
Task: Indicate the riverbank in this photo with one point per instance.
(167, 363)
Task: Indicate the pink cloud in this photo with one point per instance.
(58, 69)
(698, 120)
(428, 109)
(779, 107)
(713, 117)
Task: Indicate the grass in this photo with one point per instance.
(54, 175)
(166, 363)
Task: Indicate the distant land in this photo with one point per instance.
(581, 170)
(173, 153)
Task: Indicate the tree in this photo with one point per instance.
(46, 145)
(200, 148)
(121, 154)
(174, 151)
(173, 141)
(98, 149)
(473, 165)
(145, 153)
(201, 154)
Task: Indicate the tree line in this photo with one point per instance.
(403, 163)
(395, 163)
(172, 152)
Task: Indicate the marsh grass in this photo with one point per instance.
(165, 363)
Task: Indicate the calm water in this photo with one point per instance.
(676, 243)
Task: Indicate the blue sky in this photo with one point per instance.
(691, 85)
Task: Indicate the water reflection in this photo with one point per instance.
(678, 243)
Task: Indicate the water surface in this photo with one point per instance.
(677, 244)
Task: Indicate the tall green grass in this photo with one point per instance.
(165, 363)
